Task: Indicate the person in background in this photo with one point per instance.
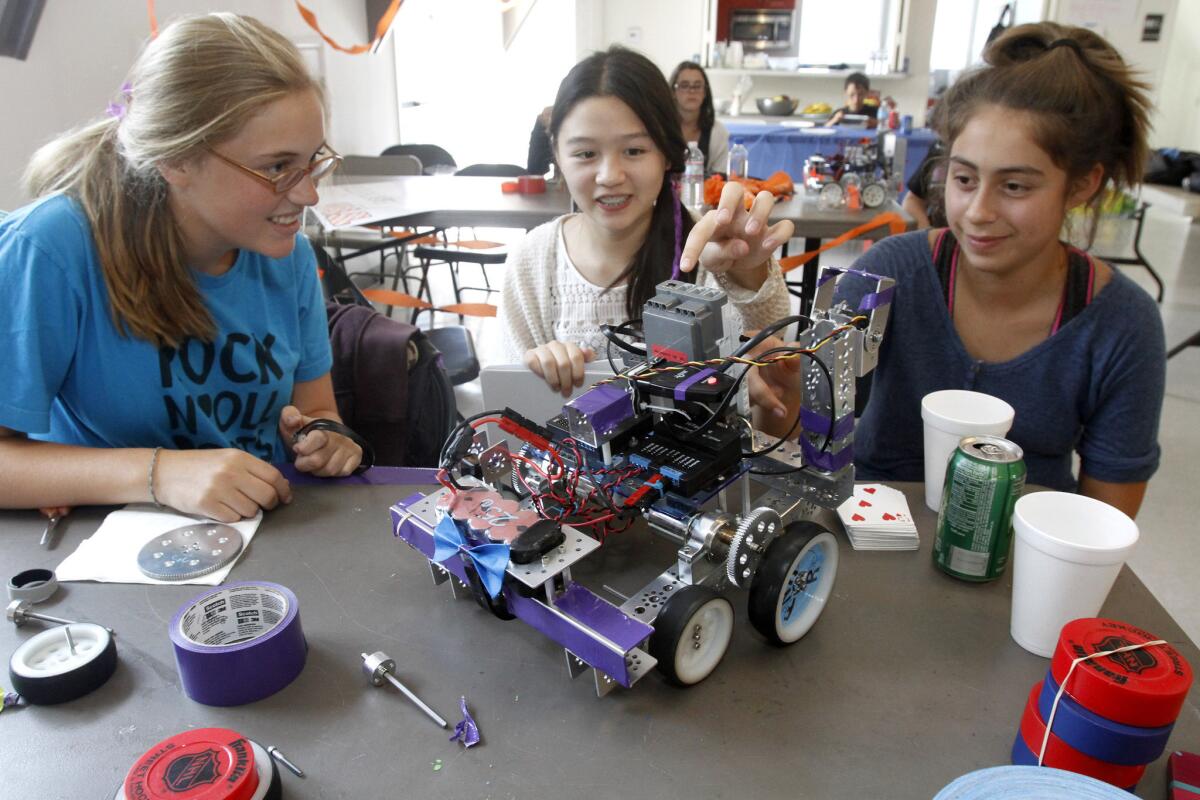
(693, 96)
(619, 147)
(924, 200)
(997, 303)
(165, 330)
(541, 156)
(857, 88)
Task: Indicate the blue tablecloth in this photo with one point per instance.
(778, 147)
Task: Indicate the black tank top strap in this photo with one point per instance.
(1080, 286)
(945, 252)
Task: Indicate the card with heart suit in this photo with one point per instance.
(877, 517)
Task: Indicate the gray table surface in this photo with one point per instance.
(908, 680)
(451, 201)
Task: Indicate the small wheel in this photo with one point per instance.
(793, 582)
(63, 663)
(874, 195)
(691, 634)
(832, 195)
(850, 179)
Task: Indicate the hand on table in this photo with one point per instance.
(226, 485)
(560, 364)
(323, 453)
(732, 239)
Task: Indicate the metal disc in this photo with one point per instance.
(190, 551)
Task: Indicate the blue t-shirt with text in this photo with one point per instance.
(72, 377)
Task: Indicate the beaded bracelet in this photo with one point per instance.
(150, 477)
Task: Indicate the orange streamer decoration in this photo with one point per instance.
(891, 219)
(381, 29)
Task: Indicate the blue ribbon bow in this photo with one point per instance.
(490, 559)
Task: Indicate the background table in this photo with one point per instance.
(908, 680)
(782, 147)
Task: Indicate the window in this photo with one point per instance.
(841, 31)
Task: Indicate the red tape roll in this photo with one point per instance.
(1146, 687)
(1062, 756)
(201, 764)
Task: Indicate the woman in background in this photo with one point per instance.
(693, 96)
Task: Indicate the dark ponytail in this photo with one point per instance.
(1087, 105)
(635, 81)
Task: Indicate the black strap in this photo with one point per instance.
(1076, 294)
(368, 453)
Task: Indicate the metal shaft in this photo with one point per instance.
(70, 641)
(48, 618)
(277, 754)
(433, 715)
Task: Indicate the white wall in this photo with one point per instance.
(82, 50)
(1179, 96)
(480, 107)
(673, 30)
(1124, 30)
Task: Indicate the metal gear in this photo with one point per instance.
(757, 531)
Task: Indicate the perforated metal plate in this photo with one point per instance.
(190, 551)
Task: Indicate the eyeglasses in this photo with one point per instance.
(689, 87)
(288, 179)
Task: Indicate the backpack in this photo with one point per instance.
(390, 386)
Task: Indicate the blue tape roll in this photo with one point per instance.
(1021, 782)
(238, 643)
(1025, 758)
(1097, 736)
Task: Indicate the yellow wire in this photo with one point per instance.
(714, 362)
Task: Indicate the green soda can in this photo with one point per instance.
(984, 478)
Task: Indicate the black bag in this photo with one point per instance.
(390, 385)
(1168, 166)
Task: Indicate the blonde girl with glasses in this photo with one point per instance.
(165, 331)
(693, 97)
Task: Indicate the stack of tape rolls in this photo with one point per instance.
(238, 643)
(203, 764)
(1109, 715)
(1023, 783)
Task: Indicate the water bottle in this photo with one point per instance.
(882, 116)
(693, 178)
(739, 160)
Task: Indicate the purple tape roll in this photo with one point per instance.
(238, 643)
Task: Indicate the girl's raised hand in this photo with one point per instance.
(732, 239)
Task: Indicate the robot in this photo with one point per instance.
(667, 440)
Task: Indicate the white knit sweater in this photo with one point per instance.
(546, 299)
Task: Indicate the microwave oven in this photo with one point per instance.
(763, 30)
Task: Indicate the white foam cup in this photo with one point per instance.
(950, 415)
(1069, 549)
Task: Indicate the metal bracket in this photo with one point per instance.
(440, 574)
(604, 684)
(496, 464)
(576, 666)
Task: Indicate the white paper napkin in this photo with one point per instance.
(110, 554)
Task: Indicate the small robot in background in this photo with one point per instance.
(667, 440)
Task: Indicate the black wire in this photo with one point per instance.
(770, 329)
(610, 332)
(828, 382)
(454, 433)
(828, 433)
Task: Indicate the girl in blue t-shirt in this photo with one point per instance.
(164, 328)
(996, 303)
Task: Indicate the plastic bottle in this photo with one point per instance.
(882, 116)
(739, 160)
(692, 193)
